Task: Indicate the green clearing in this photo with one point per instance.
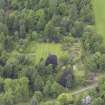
(37, 51)
(99, 9)
(43, 50)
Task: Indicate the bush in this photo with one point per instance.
(18, 87)
(38, 95)
(64, 59)
(98, 101)
(52, 89)
(7, 98)
(34, 36)
(65, 99)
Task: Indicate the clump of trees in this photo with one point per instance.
(64, 21)
(13, 91)
(93, 50)
(98, 94)
(48, 20)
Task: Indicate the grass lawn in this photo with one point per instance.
(37, 50)
(43, 50)
(99, 10)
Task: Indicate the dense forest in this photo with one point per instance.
(50, 49)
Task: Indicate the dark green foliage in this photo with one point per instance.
(25, 21)
(99, 95)
(45, 70)
(96, 62)
(98, 101)
(2, 62)
(52, 19)
(91, 41)
(35, 81)
(8, 44)
(10, 71)
(52, 89)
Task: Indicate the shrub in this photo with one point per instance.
(65, 99)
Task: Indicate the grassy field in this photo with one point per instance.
(43, 50)
(99, 10)
(37, 51)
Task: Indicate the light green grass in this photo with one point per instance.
(43, 50)
(37, 51)
(99, 10)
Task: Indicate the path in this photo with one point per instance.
(85, 89)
